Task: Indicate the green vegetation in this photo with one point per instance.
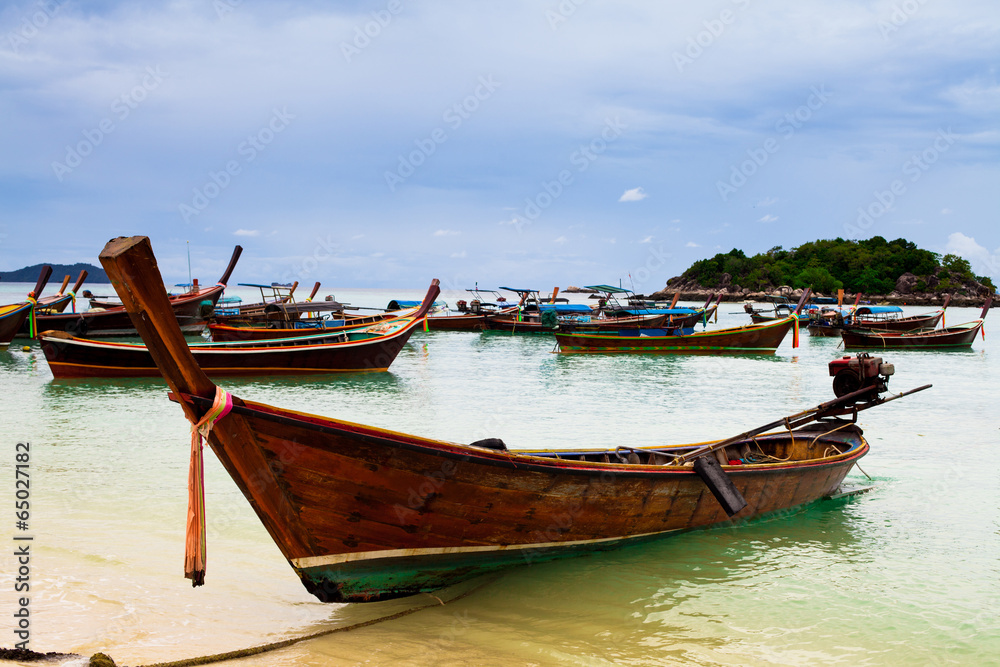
(871, 266)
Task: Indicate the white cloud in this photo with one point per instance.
(767, 201)
(513, 221)
(635, 194)
(983, 262)
(648, 239)
(768, 218)
(446, 232)
(946, 211)
(247, 232)
(691, 244)
(357, 236)
(560, 240)
(457, 255)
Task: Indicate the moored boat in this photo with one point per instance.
(958, 336)
(891, 318)
(471, 315)
(223, 333)
(364, 513)
(763, 338)
(192, 310)
(368, 349)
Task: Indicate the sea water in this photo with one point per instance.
(908, 573)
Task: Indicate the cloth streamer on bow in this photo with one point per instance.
(795, 331)
(31, 316)
(195, 550)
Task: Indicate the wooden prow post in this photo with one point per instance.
(432, 293)
(555, 292)
(708, 301)
(62, 288)
(313, 293)
(802, 300)
(237, 251)
(132, 269)
(43, 280)
(947, 300)
(79, 281)
(677, 296)
(986, 308)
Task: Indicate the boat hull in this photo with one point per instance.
(80, 358)
(366, 514)
(900, 324)
(757, 338)
(950, 338)
(12, 318)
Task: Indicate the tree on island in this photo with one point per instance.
(870, 266)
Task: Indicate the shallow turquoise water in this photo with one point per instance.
(909, 573)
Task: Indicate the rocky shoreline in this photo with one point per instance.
(969, 293)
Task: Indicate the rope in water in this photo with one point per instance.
(267, 648)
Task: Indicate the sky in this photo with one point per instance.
(384, 143)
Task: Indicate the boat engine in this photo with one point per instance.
(461, 305)
(476, 306)
(853, 373)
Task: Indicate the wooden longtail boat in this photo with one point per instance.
(368, 349)
(191, 309)
(781, 307)
(890, 318)
(757, 338)
(948, 338)
(222, 333)
(14, 316)
(57, 303)
(610, 307)
(364, 513)
(471, 316)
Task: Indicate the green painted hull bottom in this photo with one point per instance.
(387, 578)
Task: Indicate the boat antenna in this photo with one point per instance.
(190, 282)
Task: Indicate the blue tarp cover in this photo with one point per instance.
(566, 308)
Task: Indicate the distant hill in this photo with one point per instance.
(29, 274)
(871, 266)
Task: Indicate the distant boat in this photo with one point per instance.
(471, 315)
(534, 316)
(369, 349)
(192, 310)
(610, 306)
(781, 307)
(891, 318)
(948, 338)
(763, 338)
